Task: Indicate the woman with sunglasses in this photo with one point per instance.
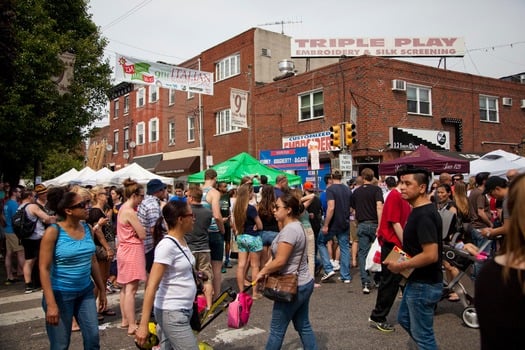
(131, 258)
(67, 264)
(289, 252)
(171, 286)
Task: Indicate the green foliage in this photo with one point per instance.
(35, 120)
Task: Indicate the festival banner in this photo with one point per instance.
(239, 107)
(133, 70)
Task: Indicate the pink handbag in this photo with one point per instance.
(239, 310)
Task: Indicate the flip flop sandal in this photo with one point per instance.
(108, 312)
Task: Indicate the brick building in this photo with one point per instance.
(394, 105)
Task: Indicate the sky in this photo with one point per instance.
(174, 31)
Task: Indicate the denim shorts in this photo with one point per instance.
(249, 244)
(268, 237)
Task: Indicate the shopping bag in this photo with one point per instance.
(373, 258)
(239, 310)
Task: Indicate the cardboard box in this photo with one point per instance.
(398, 255)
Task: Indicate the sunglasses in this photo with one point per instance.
(82, 204)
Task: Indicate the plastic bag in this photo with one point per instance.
(373, 258)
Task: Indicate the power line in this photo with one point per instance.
(126, 14)
(493, 47)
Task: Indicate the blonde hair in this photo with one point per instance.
(460, 198)
(131, 187)
(514, 243)
(83, 192)
(94, 193)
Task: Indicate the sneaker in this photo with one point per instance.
(327, 276)
(30, 290)
(382, 326)
(366, 289)
(344, 281)
(336, 265)
(223, 269)
(228, 264)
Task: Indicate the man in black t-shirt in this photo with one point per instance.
(422, 241)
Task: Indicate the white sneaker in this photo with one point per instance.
(366, 289)
(336, 265)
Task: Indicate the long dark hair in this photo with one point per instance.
(59, 199)
(170, 215)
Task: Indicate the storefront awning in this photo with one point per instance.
(178, 167)
(148, 162)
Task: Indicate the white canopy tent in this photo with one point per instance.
(497, 163)
(137, 173)
(83, 176)
(100, 177)
(62, 179)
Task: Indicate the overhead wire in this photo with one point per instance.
(126, 14)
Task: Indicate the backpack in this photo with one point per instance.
(22, 225)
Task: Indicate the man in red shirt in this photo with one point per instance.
(390, 234)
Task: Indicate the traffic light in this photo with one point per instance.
(350, 134)
(335, 136)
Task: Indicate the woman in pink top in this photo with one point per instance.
(131, 259)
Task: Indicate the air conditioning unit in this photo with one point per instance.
(507, 101)
(399, 85)
(172, 141)
(266, 52)
(522, 104)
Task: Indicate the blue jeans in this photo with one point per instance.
(297, 312)
(344, 249)
(176, 332)
(82, 305)
(366, 233)
(416, 312)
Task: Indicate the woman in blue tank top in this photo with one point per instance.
(67, 263)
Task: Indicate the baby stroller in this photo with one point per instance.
(463, 284)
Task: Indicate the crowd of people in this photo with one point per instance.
(89, 242)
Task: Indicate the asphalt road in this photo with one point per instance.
(338, 312)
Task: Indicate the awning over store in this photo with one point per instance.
(461, 155)
(148, 162)
(178, 167)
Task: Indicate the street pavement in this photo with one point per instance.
(338, 313)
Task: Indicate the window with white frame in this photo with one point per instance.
(126, 104)
(154, 129)
(228, 67)
(171, 132)
(141, 133)
(171, 97)
(116, 108)
(153, 93)
(419, 100)
(126, 138)
(141, 95)
(311, 105)
(191, 128)
(191, 95)
(115, 141)
(223, 123)
(488, 109)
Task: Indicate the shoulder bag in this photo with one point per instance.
(283, 287)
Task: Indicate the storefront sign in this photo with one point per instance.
(285, 159)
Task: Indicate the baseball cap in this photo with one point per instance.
(308, 186)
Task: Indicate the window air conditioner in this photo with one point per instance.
(172, 141)
(266, 52)
(399, 85)
(507, 101)
(523, 104)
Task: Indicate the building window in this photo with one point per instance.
(488, 109)
(115, 141)
(116, 108)
(223, 123)
(419, 100)
(228, 67)
(191, 95)
(140, 133)
(154, 130)
(153, 93)
(171, 132)
(141, 92)
(126, 139)
(311, 105)
(191, 128)
(172, 97)
(126, 104)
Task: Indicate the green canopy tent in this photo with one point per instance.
(243, 164)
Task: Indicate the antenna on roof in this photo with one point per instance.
(282, 23)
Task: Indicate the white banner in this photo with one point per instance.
(138, 71)
(239, 107)
(386, 47)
